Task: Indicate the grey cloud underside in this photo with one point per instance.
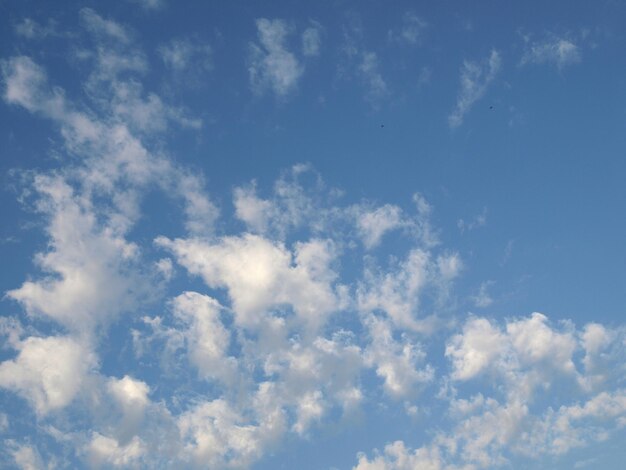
(279, 337)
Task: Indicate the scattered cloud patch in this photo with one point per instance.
(412, 30)
(104, 28)
(475, 80)
(558, 51)
(312, 40)
(362, 64)
(374, 224)
(372, 78)
(213, 341)
(271, 66)
(523, 360)
(478, 221)
(482, 298)
(187, 56)
(150, 4)
(30, 29)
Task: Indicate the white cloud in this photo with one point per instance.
(216, 436)
(131, 396)
(187, 56)
(103, 27)
(87, 265)
(527, 352)
(313, 376)
(478, 221)
(30, 29)
(271, 65)
(27, 458)
(372, 78)
(475, 79)
(105, 451)
(536, 342)
(397, 457)
(476, 349)
(146, 115)
(23, 79)
(525, 357)
(362, 64)
(292, 205)
(558, 51)
(252, 210)
(374, 224)
(482, 298)
(208, 340)
(150, 4)
(312, 40)
(259, 274)
(48, 372)
(396, 362)
(400, 290)
(412, 30)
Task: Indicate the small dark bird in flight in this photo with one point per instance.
(490, 107)
(382, 125)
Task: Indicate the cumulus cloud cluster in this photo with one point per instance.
(235, 340)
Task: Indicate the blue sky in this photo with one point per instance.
(317, 235)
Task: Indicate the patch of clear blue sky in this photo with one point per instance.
(547, 162)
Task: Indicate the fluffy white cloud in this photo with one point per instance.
(399, 291)
(27, 458)
(107, 452)
(217, 436)
(535, 342)
(475, 79)
(260, 274)
(271, 65)
(314, 377)
(397, 457)
(49, 372)
(477, 348)
(208, 340)
(131, 396)
(88, 265)
(396, 362)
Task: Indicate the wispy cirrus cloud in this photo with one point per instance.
(559, 51)
(475, 80)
